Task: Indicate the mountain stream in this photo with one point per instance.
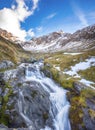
(59, 109)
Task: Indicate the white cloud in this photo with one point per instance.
(51, 16)
(11, 18)
(30, 33)
(35, 4)
(80, 14)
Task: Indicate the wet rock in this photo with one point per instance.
(30, 60)
(33, 60)
(78, 87)
(6, 64)
(46, 70)
(3, 126)
(82, 111)
(89, 117)
(36, 98)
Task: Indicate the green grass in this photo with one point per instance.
(66, 61)
(88, 74)
(77, 100)
(4, 118)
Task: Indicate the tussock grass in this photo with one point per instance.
(88, 74)
(11, 51)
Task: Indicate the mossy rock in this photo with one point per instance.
(4, 118)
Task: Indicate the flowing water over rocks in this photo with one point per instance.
(37, 102)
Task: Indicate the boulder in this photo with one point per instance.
(5, 64)
(34, 102)
(79, 86)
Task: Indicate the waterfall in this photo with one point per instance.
(59, 104)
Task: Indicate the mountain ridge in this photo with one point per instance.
(7, 35)
(81, 40)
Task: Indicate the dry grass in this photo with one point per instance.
(11, 51)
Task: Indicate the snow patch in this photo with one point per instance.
(87, 83)
(81, 66)
(71, 53)
(57, 67)
(57, 59)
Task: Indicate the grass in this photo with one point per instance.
(14, 53)
(11, 51)
(77, 100)
(92, 113)
(4, 118)
(66, 61)
(88, 74)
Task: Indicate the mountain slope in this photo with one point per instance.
(8, 35)
(11, 51)
(81, 40)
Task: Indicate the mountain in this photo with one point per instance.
(81, 40)
(8, 35)
(28, 96)
(11, 51)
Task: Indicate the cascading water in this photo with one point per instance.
(59, 104)
(21, 105)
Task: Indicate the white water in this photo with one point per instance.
(22, 111)
(60, 106)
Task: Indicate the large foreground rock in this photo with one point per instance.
(5, 64)
(34, 102)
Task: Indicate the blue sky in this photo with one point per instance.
(29, 18)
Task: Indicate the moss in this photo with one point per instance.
(45, 116)
(4, 118)
(60, 78)
(66, 61)
(78, 102)
(88, 74)
(34, 93)
(19, 84)
(76, 113)
(88, 93)
(55, 74)
(92, 113)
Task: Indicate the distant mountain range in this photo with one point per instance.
(81, 40)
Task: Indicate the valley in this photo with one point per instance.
(68, 60)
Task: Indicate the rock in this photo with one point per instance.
(79, 41)
(89, 114)
(33, 60)
(3, 127)
(6, 64)
(82, 111)
(36, 98)
(9, 74)
(79, 86)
